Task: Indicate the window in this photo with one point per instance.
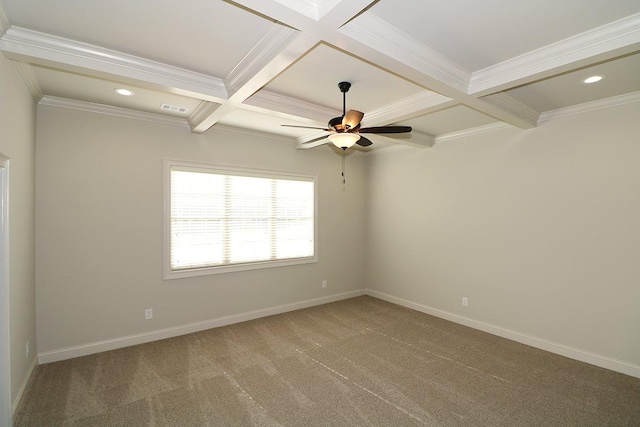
(222, 219)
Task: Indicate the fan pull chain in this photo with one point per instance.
(344, 181)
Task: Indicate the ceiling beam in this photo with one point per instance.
(401, 54)
(307, 17)
(599, 44)
(276, 43)
(374, 40)
(295, 17)
(342, 12)
(200, 114)
(47, 50)
(277, 50)
(506, 109)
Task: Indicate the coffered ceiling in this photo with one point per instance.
(441, 67)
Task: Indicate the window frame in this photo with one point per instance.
(231, 170)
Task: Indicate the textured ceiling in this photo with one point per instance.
(440, 67)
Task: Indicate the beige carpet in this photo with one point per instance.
(358, 362)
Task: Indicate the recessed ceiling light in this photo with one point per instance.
(592, 79)
(124, 92)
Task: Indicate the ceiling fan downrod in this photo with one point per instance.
(344, 88)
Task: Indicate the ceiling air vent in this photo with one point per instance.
(174, 108)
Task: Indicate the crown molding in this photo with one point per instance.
(157, 118)
(614, 39)
(91, 107)
(29, 79)
(274, 42)
(381, 36)
(46, 49)
(586, 107)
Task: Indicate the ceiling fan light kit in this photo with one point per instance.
(344, 140)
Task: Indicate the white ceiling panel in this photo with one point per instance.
(620, 76)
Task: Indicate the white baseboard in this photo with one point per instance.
(563, 350)
(112, 344)
(27, 379)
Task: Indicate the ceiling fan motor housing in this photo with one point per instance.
(336, 124)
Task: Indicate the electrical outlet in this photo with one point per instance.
(27, 350)
(465, 301)
(148, 313)
(324, 283)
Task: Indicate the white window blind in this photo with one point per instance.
(221, 218)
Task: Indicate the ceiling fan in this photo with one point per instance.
(345, 130)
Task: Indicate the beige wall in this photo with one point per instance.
(100, 228)
(17, 142)
(539, 229)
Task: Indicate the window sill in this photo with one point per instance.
(205, 271)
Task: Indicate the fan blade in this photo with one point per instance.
(386, 129)
(352, 119)
(315, 139)
(305, 127)
(363, 142)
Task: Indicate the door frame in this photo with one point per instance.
(5, 330)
